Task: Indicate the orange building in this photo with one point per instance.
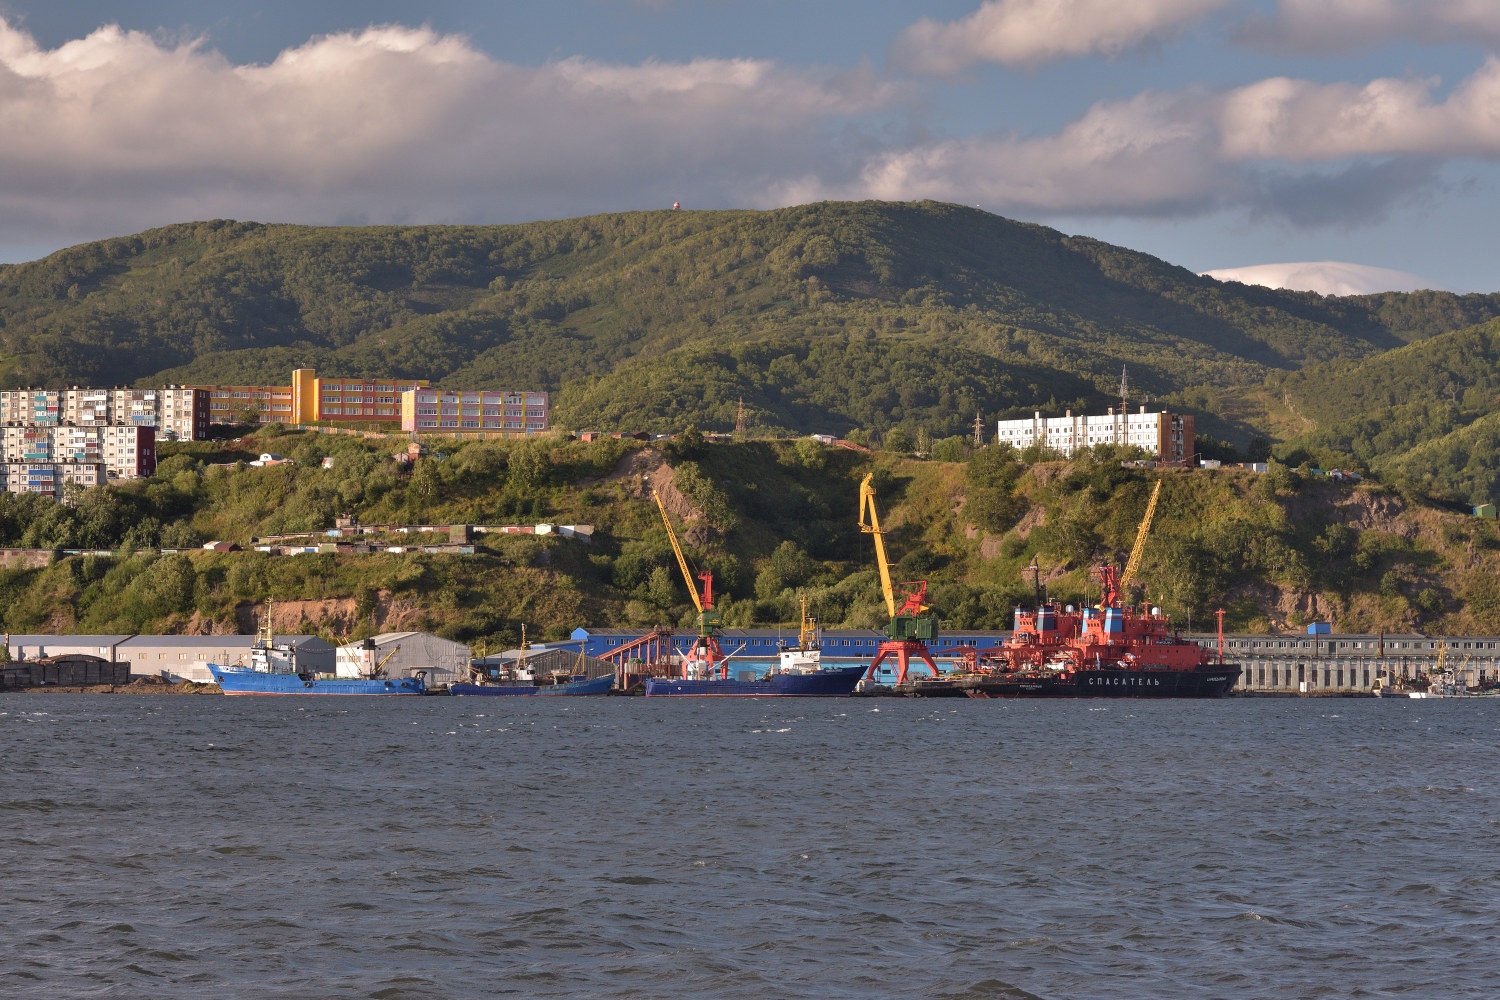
(309, 399)
(348, 399)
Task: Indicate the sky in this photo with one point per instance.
(1339, 145)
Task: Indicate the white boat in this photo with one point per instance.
(806, 657)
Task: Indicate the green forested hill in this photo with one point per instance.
(825, 317)
(771, 519)
(1424, 413)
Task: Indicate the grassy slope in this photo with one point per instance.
(770, 519)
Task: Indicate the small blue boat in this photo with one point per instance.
(560, 686)
(533, 675)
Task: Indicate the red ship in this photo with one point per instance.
(1109, 651)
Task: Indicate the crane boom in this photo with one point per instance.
(1127, 577)
(869, 523)
(687, 574)
(705, 656)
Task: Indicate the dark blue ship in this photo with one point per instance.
(824, 682)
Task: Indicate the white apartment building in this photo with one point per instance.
(1166, 436)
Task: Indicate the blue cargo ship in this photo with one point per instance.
(273, 670)
(250, 680)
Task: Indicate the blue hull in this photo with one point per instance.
(257, 682)
(596, 685)
(836, 683)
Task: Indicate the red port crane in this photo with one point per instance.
(911, 627)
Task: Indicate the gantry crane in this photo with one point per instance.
(911, 627)
(707, 657)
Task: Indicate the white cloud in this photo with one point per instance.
(1326, 277)
(1144, 155)
(116, 132)
(1304, 153)
(1032, 32)
(1302, 121)
(1321, 26)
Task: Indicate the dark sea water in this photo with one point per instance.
(434, 847)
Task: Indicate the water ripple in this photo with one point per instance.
(624, 848)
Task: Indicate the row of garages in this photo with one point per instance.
(176, 658)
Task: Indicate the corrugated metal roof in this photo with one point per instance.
(71, 640)
(226, 641)
(385, 638)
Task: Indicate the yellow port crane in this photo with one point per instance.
(1134, 564)
(911, 626)
(1114, 585)
(869, 523)
(706, 654)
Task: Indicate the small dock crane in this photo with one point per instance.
(911, 626)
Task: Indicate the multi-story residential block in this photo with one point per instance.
(47, 478)
(31, 407)
(449, 410)
(176, 412)
(1167, 436)
(185, 412)
(234, 404)
(88, 455)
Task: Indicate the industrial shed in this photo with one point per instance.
(37, 647)
(405, 653)
(182, 657)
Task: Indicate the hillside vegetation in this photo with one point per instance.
(835, 318)
(770, 519)
(1424, 414)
